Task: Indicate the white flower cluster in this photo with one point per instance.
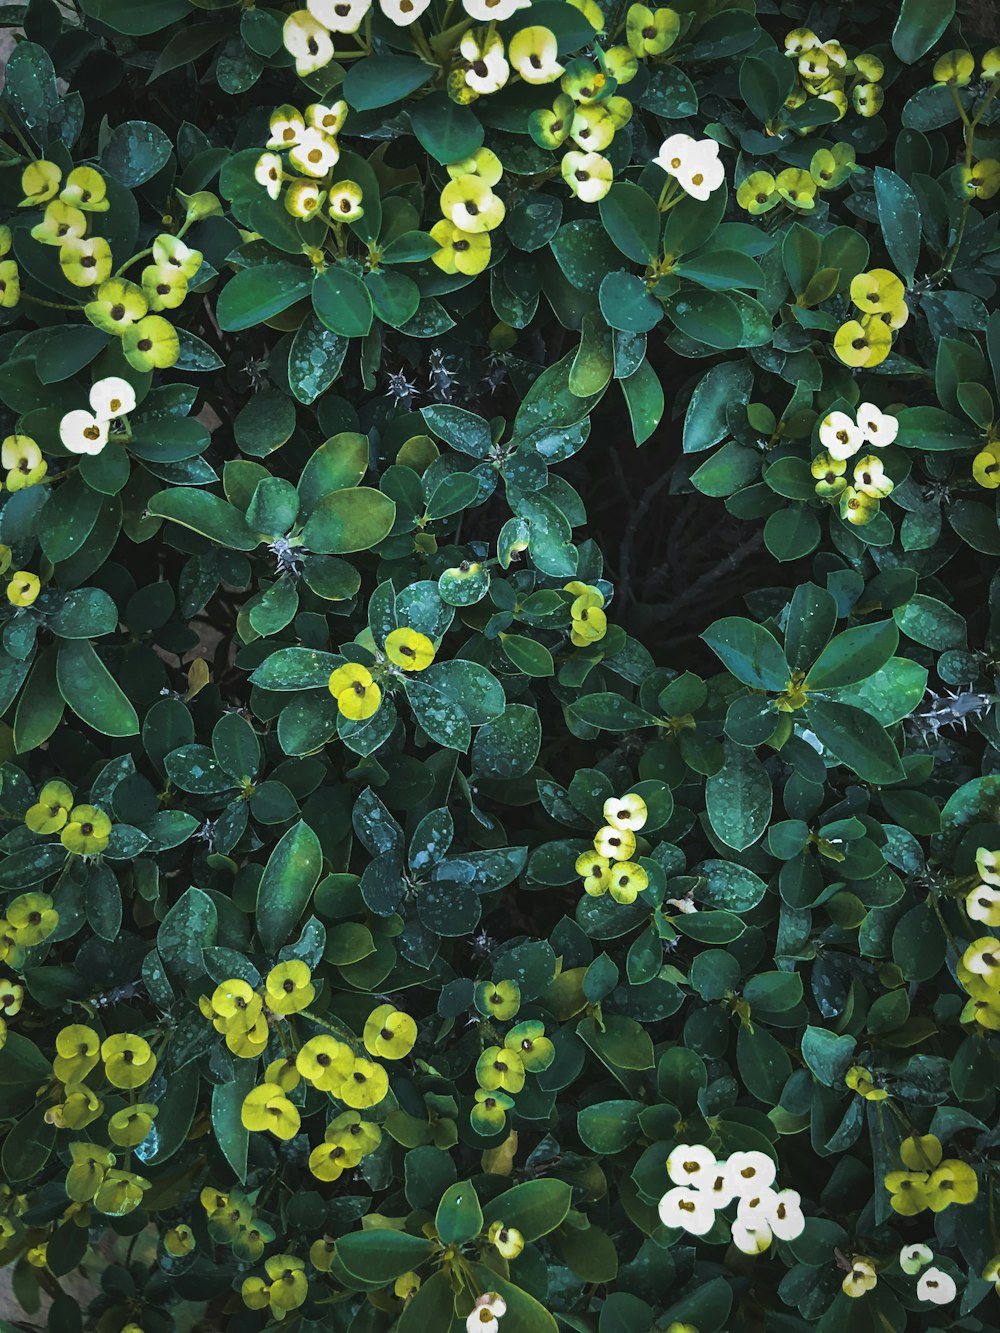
(842, 438)
(693, 163)
(84, 432)
(934, 1284)
(703, 1186)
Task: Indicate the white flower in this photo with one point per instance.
(339, 15)
(981, 905)
(675, 153)
(308, 41)
(749, 1173)
(693, 162)
(268, 173)
(839, 436)
(716, 1184)
(287, 127)
(533, 53)
(486, 1313)
(914, 1257)
(936, 1286)
(988, 865)
(403, 12)
(328, 119)
(314, 154)
(112, 397)
(83, 434)
(878, 428)
(487, 11)
(488, 70)
(752, 1239)
(688, 1208)
(786, 1220)
(860, 1279)
(757, 1207)
(691, 1164)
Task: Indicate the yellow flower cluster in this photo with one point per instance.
(346, 1141)
(978, 969)
(285, 1289)
(93, 1177)
(471, 211)
(501, 1070)
(824, 71)
(828, 169)
(241, 1013)
(879, 298)
(589, 623)
(609, 867)
(29, 920)
(22, 458)
(11, 1000)
(354, 686)
(956, 68)
(842, 439)
(10, 278)
(931, 1181)
(129, 1063)
(231, 1222)
(84, 830)
(309, 143)
(588, 113)
(983, 902)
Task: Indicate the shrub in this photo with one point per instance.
(411, 920)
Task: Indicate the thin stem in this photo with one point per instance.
(17, 130)
(51, 305)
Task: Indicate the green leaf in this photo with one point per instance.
(730, 886)
(227, 1124)
(738, 798)
(40, 707)
(856, 739)
(91, 691)
(918, 27)
(644, 398)
(931, 428)
(31, 86)
(899, 218)
(534, 1207)
(508, 746)
(632, 220)
(349, 520)
(256, 294)
(750, 652)
(853, 656)
(459, 1217)
(315, 359)
(343, 302)
(626, 303)
(205, 513)
(136, 20)
(377, 81)
(827, 1055)
(381, 1256)
(291, 874)
(135, 152)
(448, 131)
(611, 712)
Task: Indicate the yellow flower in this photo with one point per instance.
(867, 99)
(267, 1108)
(877, 290)
(88, 831)
(23, 588)
(289, 1285)
(88, 1172)
(954, 67)
(951, 1182)
(406, 1286)
(62, 222)
(529, 1040)
(321, 1254)
(11, 997)
(831, 167)
(329, 1161)
(592, 128)
(32, 918)
(991, 63)
(269, 173)
(344, 202)
(860, 1080)
(860, 1279)
(129, 1061)
(23, 460)
(626, 812)
(986, 466)
(236, 1003)
(356, 693)
(179, 1240)
(988, 865)
(151, 344)
(37, 1256)
(499, 1067)
(858, 344)
(349, 1129)
(615, 843)
(130, 1125)
(651, 32)
(908, 1191)
(982, 958)
(508, 1240)
(80, 1107)
(921, 1152)
(550, 129)
(330, 119)
(533, 53)
(287, 126)
(10, 284)
(486, 69)
(621, 63)
(829, 474)
(500, 1000)
(588, 175)
(366, 1084)
(85, 189)
(489, 1115)
(483, 163)
(856, 507)
(595, 870)
(315, 155)
(870, 478)
(39, 183)
(85, 261)
(981, 181)
(626, 881)
(284, 1073)
(325, 1062)
(409, 649)
(389, 1033)
(117, 306)
(77, 1053)
(758, 194)
(289, 987)
(120, 1193)
(471, 205)
(461, 251)
(308, 41)
(51, 810)
(256, 1293)
(797, 188)
(983, 904)
(164, 287)
(171, 252)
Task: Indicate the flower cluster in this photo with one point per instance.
(842, 438)
(231, 1221)
(879, 298)
(309, 143)
(84, 830)
(934, 1285)
(931, 1180)
(795, 188)
(238, 1011)
(471, 211)
(589, 624)
(354, 686)
(285, 1288)
(588, 113)
(485, 67)
(10, 277)
(956, 68)
(501, 1069)
(609, 868)
(978, 969)
(704, 1186)
(29, 920)
(83, 432)
(825, 71)
(94, 1178)
(693, 163)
